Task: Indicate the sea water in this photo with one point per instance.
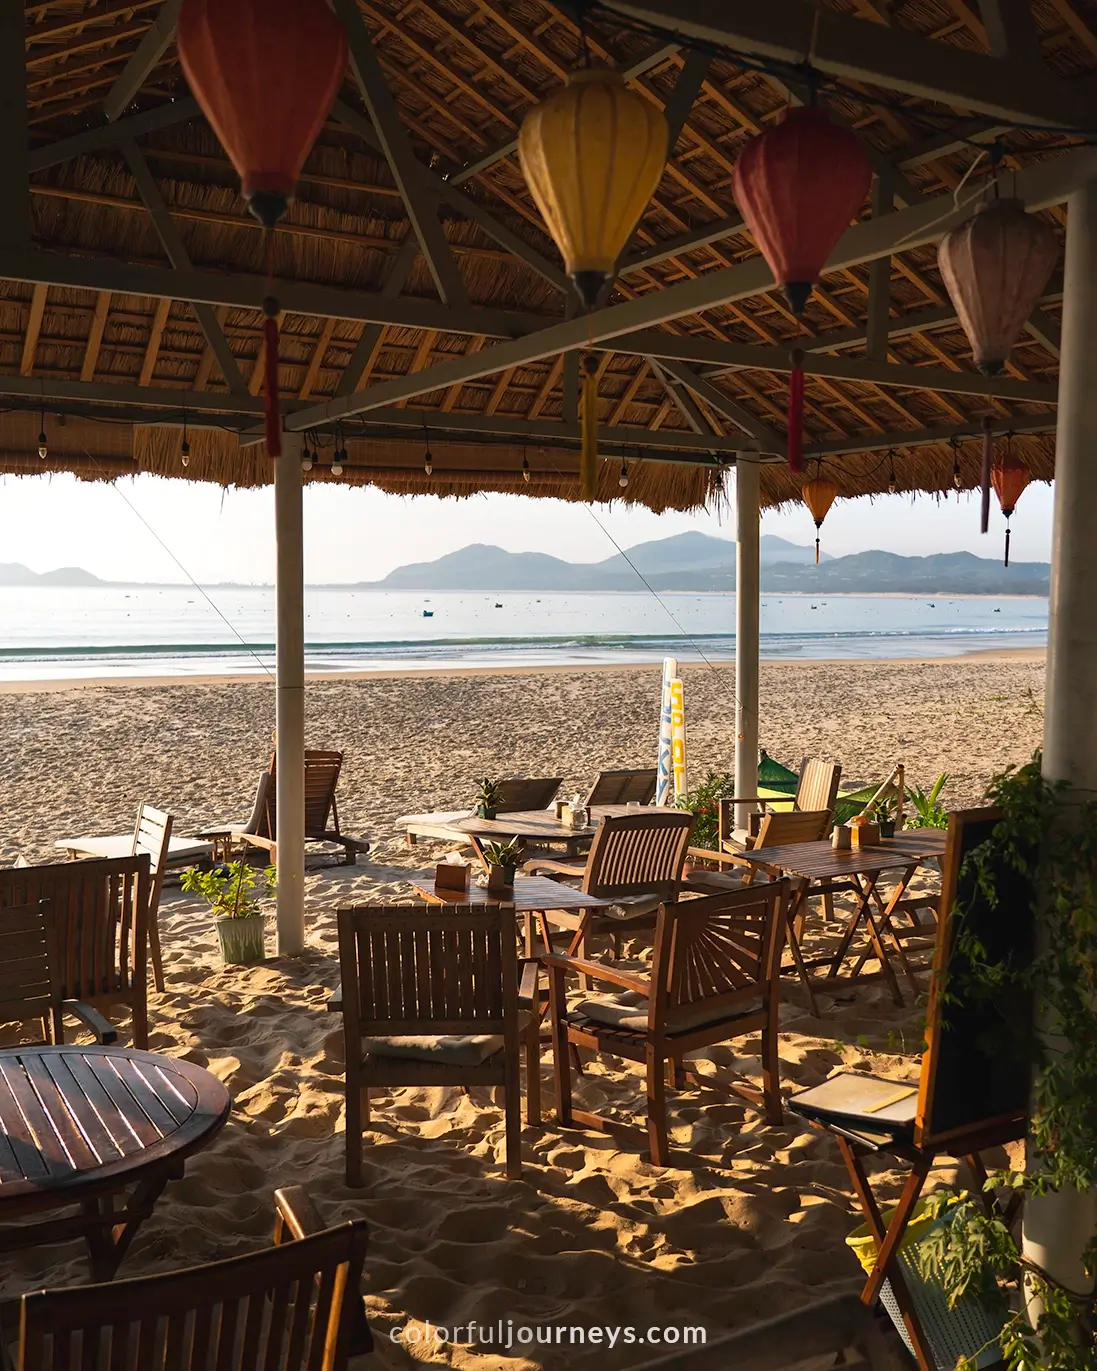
(61, 633)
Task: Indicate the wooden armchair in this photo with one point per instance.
(714, 976)
(636, 860)
(30, 983)
(816, 789)
(623, 787)
(100, 915)
(430, 996)
(295, 1306)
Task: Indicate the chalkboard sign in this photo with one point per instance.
(977, 1065)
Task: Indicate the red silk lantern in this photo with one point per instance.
(995, 266)
(265, 73)
(819, 495)
(798, 185)
(1010, 477)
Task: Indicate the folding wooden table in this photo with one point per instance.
(857, 871)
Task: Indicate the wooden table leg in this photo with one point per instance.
(798, 902)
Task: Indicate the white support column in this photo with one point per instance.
(290, 694)
(747, 597)
(1058, 1227)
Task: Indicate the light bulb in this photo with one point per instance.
(428, 464)
(306, 461)
(337, 464)
(43, 449)
(893, 485)
(957, 479)
(184, 453)
(622, 480)
(525, 470)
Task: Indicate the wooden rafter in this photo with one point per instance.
(34, 328)
(156, 334)
(316, 361)
(95, 337)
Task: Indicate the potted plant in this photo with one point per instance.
(488, 793)
(232, 891)
(502, 860)
(886, 811)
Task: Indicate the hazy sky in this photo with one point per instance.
(360, 534)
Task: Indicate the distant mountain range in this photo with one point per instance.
(686, 561)
(698, 562)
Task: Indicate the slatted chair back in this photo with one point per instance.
(779, 829)
(153, 835)
(638, 854)
(290, 1307)
(517, 793)
(623, 787)
(818, 785)
(28, 983)
(100, 916)
(721, 952)
(428, 969)
(322, 770)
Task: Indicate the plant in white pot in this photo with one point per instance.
(502, 861)
(233, 891)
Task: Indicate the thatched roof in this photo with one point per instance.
(464, 72)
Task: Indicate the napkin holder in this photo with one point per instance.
(865, 835)
(451, 876)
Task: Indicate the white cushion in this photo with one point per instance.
(629, 1010)
(455, 1049)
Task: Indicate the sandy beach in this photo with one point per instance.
(750, 1225)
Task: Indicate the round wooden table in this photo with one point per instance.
(81, 1126)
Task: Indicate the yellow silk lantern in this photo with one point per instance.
(592, 155)
(819, 495)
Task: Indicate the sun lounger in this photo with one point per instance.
(516, 794)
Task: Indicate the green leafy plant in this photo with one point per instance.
(704, 804)
(488, 794)
(502, 854)
(929, 812)
(232, 890)
(1047, 837)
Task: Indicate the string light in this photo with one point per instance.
(43, 447)
(184, 450)
(525, 468)
(428, 460)
(957, 479)
(893, 484)
(622, 480)
(307, 459)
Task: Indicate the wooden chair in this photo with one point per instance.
(153, 835)
(430, 996)
(636, 860)
(972, 1092)
(30, 983)
(714, 976)
(100, 915)
(322, 770)
(295, 1306)
(816, 789)
(623, 787)
(519, 793)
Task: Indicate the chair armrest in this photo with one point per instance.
(335, 1001)
(104, 1030)
(721, 858)
(295, 1213)
(547, 867)
(598, 971)
(295, 1216)
(529, 993)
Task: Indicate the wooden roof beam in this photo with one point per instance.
(149, 52)
(14, 166)
(316, 361)
(853, 49)
(364, 356)
(937, 433)
(34, 328)
(95, 337)
(156, 335)
(396, 145)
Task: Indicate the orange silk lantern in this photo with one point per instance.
(819, 495)
(798, 185)
(265, 73)
(1010, 477)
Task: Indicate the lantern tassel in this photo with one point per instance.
(988, 453)
(796, 414)
(816, 547)
(1007, 543)
(270, 377)
(588, 456)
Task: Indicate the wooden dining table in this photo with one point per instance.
(532, 897)
(535, 827)
(813, 867)
(100, 1130)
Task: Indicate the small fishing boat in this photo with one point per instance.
(428, 613)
